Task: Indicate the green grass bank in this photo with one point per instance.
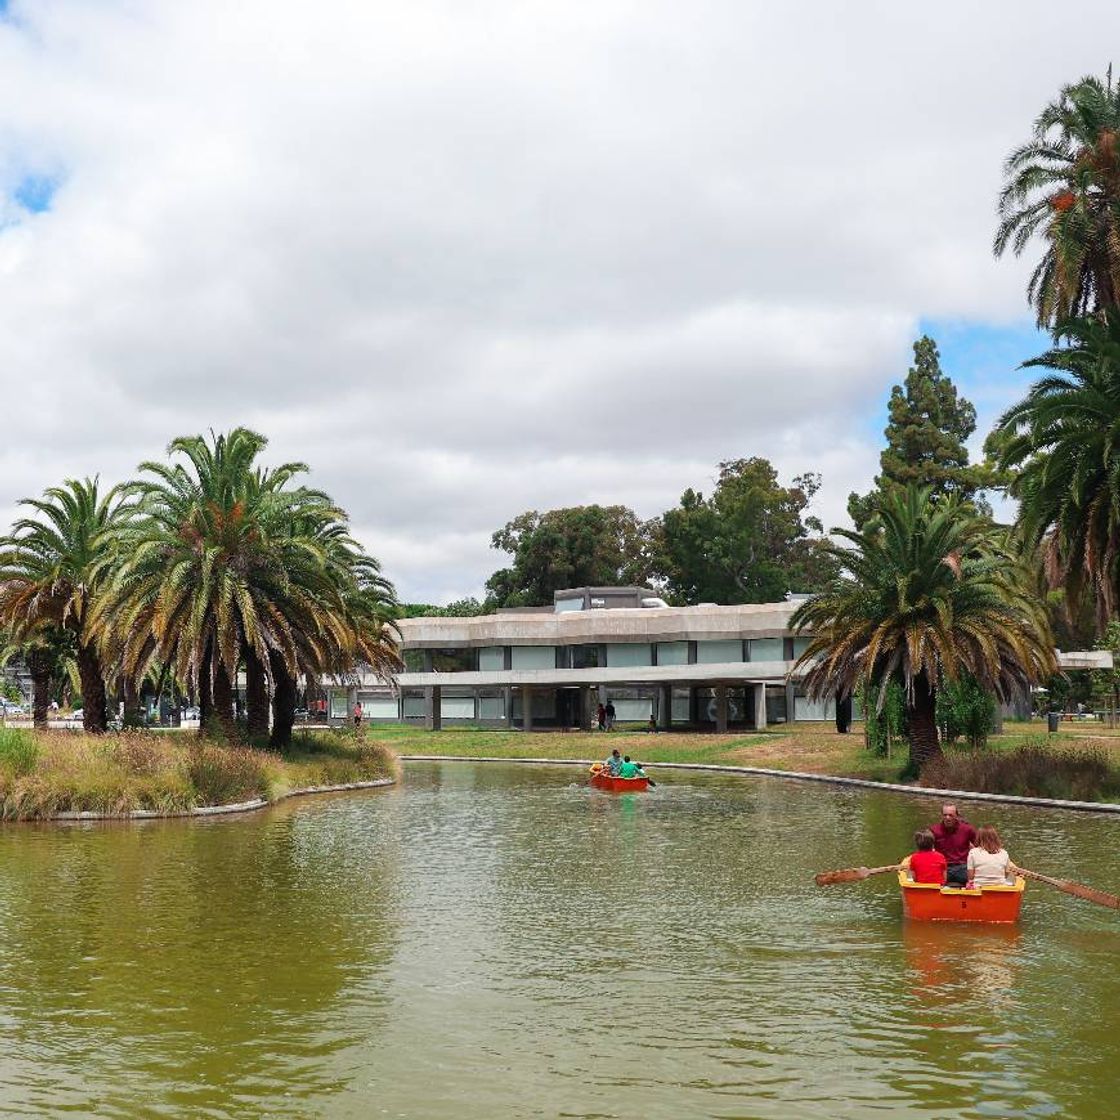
(1082, 762)
(44, 774)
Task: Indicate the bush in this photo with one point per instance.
(886, 726)
(19, 753)
(1032, 770)
(964, 708)
(224, 775)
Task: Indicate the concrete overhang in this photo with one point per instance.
(645, 624)
(731, 673)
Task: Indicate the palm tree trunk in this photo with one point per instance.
(95, 710)
(223, 705)
(256, 695)
(283, 702)
(131, 703)
(922, 713)
(205, 698)
(39, 665)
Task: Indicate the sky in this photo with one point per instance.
(467, 258)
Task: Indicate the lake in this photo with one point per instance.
(492, 940)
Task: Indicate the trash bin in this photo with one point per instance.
(1052, 721)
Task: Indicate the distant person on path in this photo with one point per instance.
(358, 714)
(601, 716)
(610, 715)
(954, 838)
(926, 865)
(988, 864)
(651, 727)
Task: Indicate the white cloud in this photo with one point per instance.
(468, 259)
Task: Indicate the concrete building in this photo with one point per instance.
(704, 666)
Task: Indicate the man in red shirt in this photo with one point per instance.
(953, 836)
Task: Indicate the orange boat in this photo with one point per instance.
(600, 779)
(928, 902)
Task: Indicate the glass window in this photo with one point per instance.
(804, 708)
(672, 653)
(413, 660)
(379, 707)
(412, 705)
(775, 703)
(623, 655)
(719, 653)
(491, 707)
(584, 657)
(682, 706)
(533, 657)
(452, 660)
(800, 645)
(767, 649)
(492, 659)
(569, 604)
(633, 711)
(456, 707)
(340, 703)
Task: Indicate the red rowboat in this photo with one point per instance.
(600, 779)
(928, 902)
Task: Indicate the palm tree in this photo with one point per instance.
(228, 564)
(1063, 440)
(1064, 184)
(928, 591)
(51, 568)
(48, 653)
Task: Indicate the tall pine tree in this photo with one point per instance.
(926, 433)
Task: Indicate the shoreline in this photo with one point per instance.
(1106, 807)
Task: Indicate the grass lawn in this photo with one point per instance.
(814, 748)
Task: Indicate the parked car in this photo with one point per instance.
(77, 713)
(301, 713)
(192, 713)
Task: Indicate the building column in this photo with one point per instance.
(791, 703)
(585, 707)
(507, 696)
(721, 708)
(760, 707)
(433, 715)
(526, 708)
(665, 707)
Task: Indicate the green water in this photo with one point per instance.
(498, 941)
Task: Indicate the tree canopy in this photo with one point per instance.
(578, 546)
(928, 427)
(749, 542)
(1063, 185)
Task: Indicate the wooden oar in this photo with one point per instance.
(853, 874)
(1078, 890)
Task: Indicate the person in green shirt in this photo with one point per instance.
(631, 769)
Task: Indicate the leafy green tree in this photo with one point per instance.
(460, 608)
(51, 571)
(965, 707)
(579, 546)
(1063, 185)
(927, 429)
(927, 591)
(1063, 440)
(750, 542)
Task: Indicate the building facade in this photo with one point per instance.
(706, 666)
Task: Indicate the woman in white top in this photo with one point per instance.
(988, 863)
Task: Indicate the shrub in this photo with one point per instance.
(223, 775)
(1032, 770)
(19, 752)
(964, 708)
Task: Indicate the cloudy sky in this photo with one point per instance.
(470, 258)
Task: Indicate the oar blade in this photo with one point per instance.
(846, 875)
(1090, 894)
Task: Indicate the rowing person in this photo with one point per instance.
(630, 769)
(613, 764)
(954, 838)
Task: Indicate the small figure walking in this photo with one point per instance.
(601, 717)
(358, 714)
(610, 715)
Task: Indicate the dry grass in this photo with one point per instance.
(43, 774)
